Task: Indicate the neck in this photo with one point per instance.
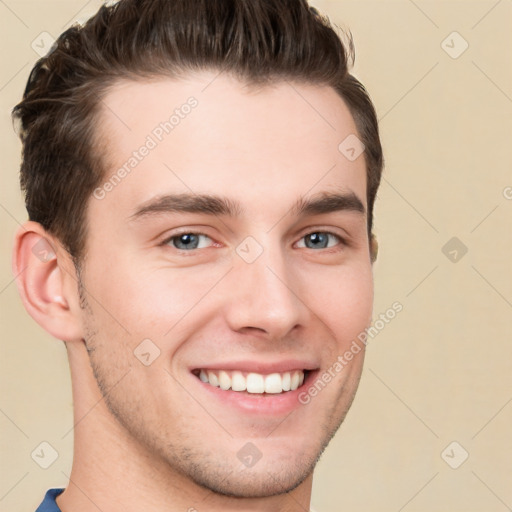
(112, 471)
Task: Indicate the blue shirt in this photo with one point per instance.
(49, 504)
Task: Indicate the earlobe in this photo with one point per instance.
(374, 248)
(39, 266)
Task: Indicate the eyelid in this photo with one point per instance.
(185, 231)
(342, 241)
(343, 237)
(308, 231)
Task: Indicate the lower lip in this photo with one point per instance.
(268, 403)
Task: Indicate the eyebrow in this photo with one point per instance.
(328, 203)
(216, 205)
(188, 203)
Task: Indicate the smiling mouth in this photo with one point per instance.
(253, 383)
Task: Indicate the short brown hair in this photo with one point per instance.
(258, 41)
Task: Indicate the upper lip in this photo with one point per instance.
(267, 367)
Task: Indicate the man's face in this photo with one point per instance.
(235, 248)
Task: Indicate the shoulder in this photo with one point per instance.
(49, 504)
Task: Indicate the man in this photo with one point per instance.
(200, 178)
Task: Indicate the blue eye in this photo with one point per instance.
(192, 241)
(319, 240)
(189, 241)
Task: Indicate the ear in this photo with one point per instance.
(374, 248)
(47, 282)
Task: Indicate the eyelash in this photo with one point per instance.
(169, 239)
(342, 240)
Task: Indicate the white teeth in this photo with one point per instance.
(295, 381)
(255, 383)
(224, 380)
(273, 383)
(286, 381)
(214, 381)
(238, 382)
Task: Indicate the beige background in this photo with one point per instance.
(441, 371)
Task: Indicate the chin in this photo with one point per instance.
(254, 483)
(223, 472)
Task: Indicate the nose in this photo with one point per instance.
(265, 298)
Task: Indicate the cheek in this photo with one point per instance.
(151, 301)
(343, 300)
(154, 300)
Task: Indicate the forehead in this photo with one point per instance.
(211, 133)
